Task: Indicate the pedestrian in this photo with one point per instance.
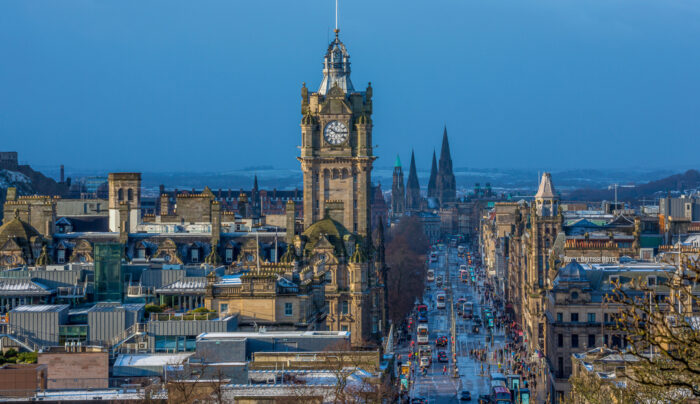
(444, 370)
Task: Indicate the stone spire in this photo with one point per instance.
(432, 183)
(446, 187)
(336, 68)
(398, 193)
(546, 200)
(412, 187)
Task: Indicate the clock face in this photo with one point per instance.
(335, 133)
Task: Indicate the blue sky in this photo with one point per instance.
(214, 85)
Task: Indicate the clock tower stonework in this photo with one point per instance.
(336, 146)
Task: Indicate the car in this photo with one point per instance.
(442, 356)
(464, 395)
(441, 341)
(422, 318)
(419, 400)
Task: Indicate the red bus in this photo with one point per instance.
(500, 395)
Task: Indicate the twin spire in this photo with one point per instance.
(442, 187)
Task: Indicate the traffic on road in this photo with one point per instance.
(457, 346)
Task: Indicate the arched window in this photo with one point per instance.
(120, 194)
(130, 194)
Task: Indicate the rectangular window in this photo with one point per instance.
(560, 340)
(560, 367)
(288, 309)
(591, 317)
(560, 317)
(574, 317)
(343, 328)
(344, 307)
(574, 340)
(591, 340)
(195, 255)
(229, 255)
(223, 308)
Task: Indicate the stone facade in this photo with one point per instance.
(336, 145)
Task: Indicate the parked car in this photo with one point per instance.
(442, 356)
(464, 395)
(441, 341)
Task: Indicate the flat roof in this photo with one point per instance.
(274, 334)
(41, 308)
(151, 360)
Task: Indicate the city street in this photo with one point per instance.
(438, 386)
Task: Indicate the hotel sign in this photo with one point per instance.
(593, 260)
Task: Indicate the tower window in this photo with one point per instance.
(120, 194)
(130, 194)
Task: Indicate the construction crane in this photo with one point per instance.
(615, 186)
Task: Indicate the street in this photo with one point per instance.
(438, 385)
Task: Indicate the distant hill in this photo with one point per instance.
(650, 190)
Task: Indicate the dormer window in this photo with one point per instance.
(195, 255)
(61, 256)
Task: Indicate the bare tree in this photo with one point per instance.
(189, 384)
(405, 258)
(662, 331)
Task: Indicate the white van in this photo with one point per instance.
(424, 361)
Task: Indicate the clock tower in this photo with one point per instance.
(336, 146)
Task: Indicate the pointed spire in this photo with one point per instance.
(546, 188)
(255, 182)
(432, 183)
(412, 173)
(412, 186)
(446, 187)
(445, 158)
(397, 163)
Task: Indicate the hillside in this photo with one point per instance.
(650, 190)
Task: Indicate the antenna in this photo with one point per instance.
(336, 15)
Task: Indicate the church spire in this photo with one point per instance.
(432, 183)
(412, 186)
(398, 193)
(446, 186)
(445, 158)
